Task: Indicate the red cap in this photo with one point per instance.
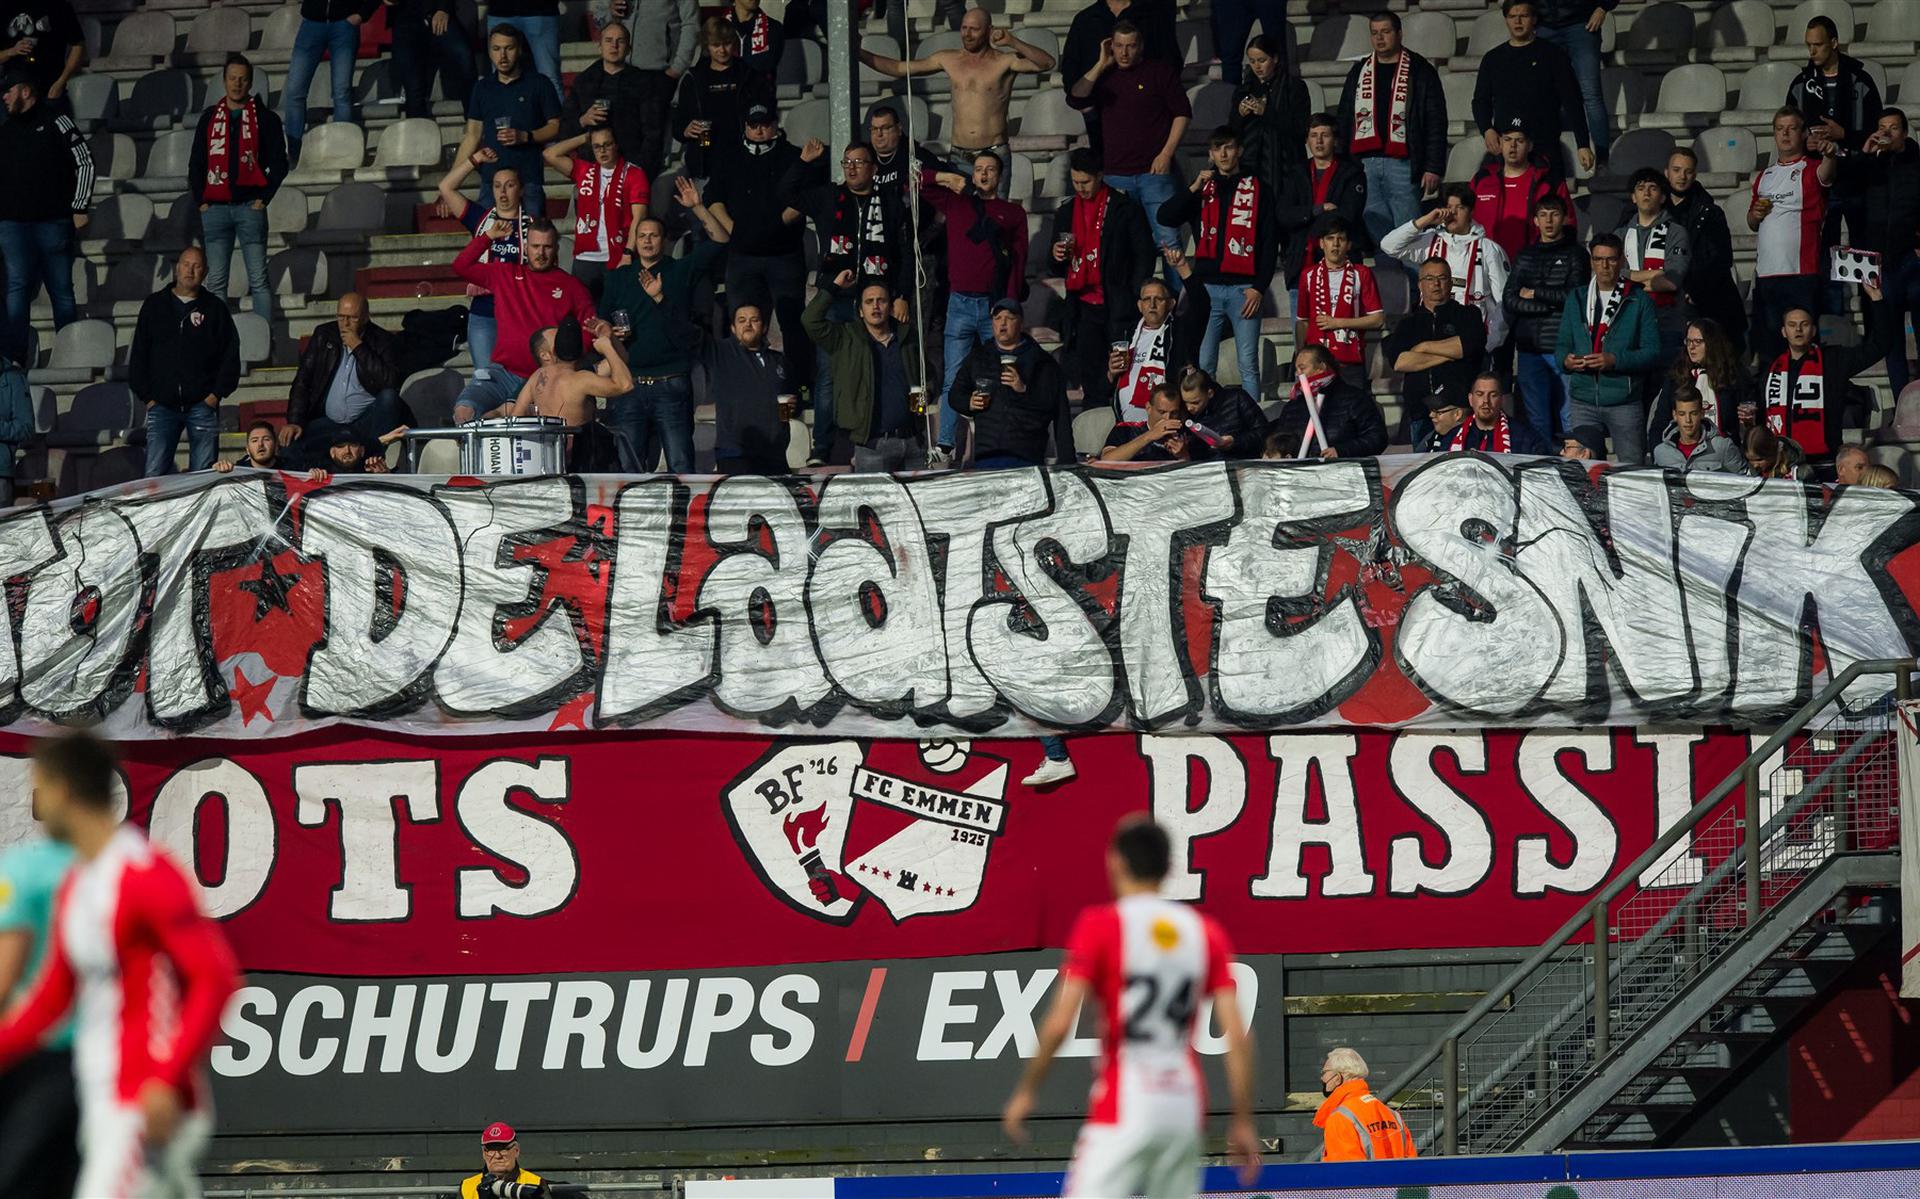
(497, 1134)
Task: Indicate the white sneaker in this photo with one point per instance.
(816, 460)
(939, 458)
(1051, 773)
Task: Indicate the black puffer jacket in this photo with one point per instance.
(1552, 272)
(1016, 423)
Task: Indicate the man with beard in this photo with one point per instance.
(1709, 285)
(1102, 245)
(766, 264)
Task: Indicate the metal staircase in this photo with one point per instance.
(1616, 1031)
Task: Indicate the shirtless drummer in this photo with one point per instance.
(982, 72)
(559, 388)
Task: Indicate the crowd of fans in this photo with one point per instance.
(909, 343)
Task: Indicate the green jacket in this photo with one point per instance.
(1633, 339)
(845, 343)
(654, 350)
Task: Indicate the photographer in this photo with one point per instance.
(502, 1176)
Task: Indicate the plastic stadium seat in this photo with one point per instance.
(334, 146)
(802, 63)
(1339, 38)
(1741, 23)
(1429, 33)
(121, 217)
(355, 208)
(256, 338)
(1625, 91)
(140, 38)
(1053, 181)
(298, 272)
(946, 39)
(114, 156)
(1045, 114)
(1042, 39)
(1906, 413)
(162, 99)
(1212, 105)
(809, 118)
(1696, 87)
(1489, 30)
(1727, 150)
(1457, 87)
(87, 345)
(413, 142)
(282, 26)
(1909, 89)
(1196, 41)
(1806, 10)
(1020, 185)
(134, 277)
(1764, 87)
(1894, 21)
(440, 456)
(431, 394)
(168, 156)
(287, 211)
(1465, 158)
(98, 408)
(1090, 430)
(220, 31)
(879, 43)
(1665, 27)
(96, 99)
(1637, 148)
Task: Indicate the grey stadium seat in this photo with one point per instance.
(218, 32)
(1727, 150)
(1429, 33)
(1340, 38)
(85, 344)
(1695, 87)
(115, 156)
(256, 338)
(96, 99)
(296, 272)
(1839, 10)
(1212, 105)
(1489, 30)
(1665, 28)
(139, 39)
(431, 394)
(1741, 23)
(1045, 114)
(1894, 21)
(1637, 148)
(802, 63)
(333, 147)
(162, 99)
(413, 142)
(1764, 87)
(287, 211)
(1090, 429)
(359, 208)
(281, 27)
(122, 217)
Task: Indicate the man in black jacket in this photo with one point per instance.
(1228, 420)
(1326, 186)
(1438, 347)
(613, 93)
(348, 384)
(1393, 120)
(1887, 172)
(1529, 79)
(1014, 393)
(1351, 425)
(1543, 275)
(1709, 287)
(1834, 90)
(1102, 245)
(239, 158)
(765, 261)
(1236, 244)
(185, 359)
(48, 190)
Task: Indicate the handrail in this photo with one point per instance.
(1583, 918)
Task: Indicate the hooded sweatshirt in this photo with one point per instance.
(1479, 268)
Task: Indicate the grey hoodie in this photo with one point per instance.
(1716, 453)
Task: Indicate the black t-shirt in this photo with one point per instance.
(1453, 379)
(526, 104)
(54, 30)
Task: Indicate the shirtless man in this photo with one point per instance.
(982, 85)
(560, 389)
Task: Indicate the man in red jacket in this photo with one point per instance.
(1506, 188)
(527, 297)
(145, 971)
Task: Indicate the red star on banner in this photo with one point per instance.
(252, 697)
(573, 712)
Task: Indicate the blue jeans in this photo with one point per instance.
(969, 324)
(164, 425)
(1584, 49)
(1543, 392)
(482, 333)
(1393, 197)
(35, 252)
(1224, 301)
(842, 309)
(221, 225)
(543, 34)
(654, 416)
(491, 386)
(338, 41)
(1055, 748)
(1150, 191)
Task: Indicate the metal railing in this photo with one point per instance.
(1664, 921)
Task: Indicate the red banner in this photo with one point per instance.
(379, 855)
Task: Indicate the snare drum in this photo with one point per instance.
(514, 445)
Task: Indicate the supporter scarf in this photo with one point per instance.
(1239, 230)
(1368, 136)
(1322, 184)
(759, 35)
(1604, 312)
(1799, 411)
(1704, 385)
(233, 151)
(1499, 439)
(860, 232)
(1149, 368)
(1324, 301)
(1440, 248)
(1312, 389)
(518, 238)
(1083, 265)
(599, 216)
(1651, 258)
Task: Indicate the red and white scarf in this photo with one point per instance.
(1324, 301)
(758, 38)
(1238, 231)
(1802, 412)
(1083, 265)
(600, 218)
(1604, 312)
(1499, 439)
(1368, 135)
(1440, 249)
(233, 151)
(1704, 385)
(1651, 255)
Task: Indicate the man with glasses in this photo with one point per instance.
(500, 1161)
(1437, 348)
(1608, 342)
(860, 229)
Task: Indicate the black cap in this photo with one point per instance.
(759, 114)
(1592, 438)
(1517, 125)
(16, 74)
(1440, 400)
(1007, 304)
(568, 344)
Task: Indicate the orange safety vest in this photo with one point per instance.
(1361, 1128)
